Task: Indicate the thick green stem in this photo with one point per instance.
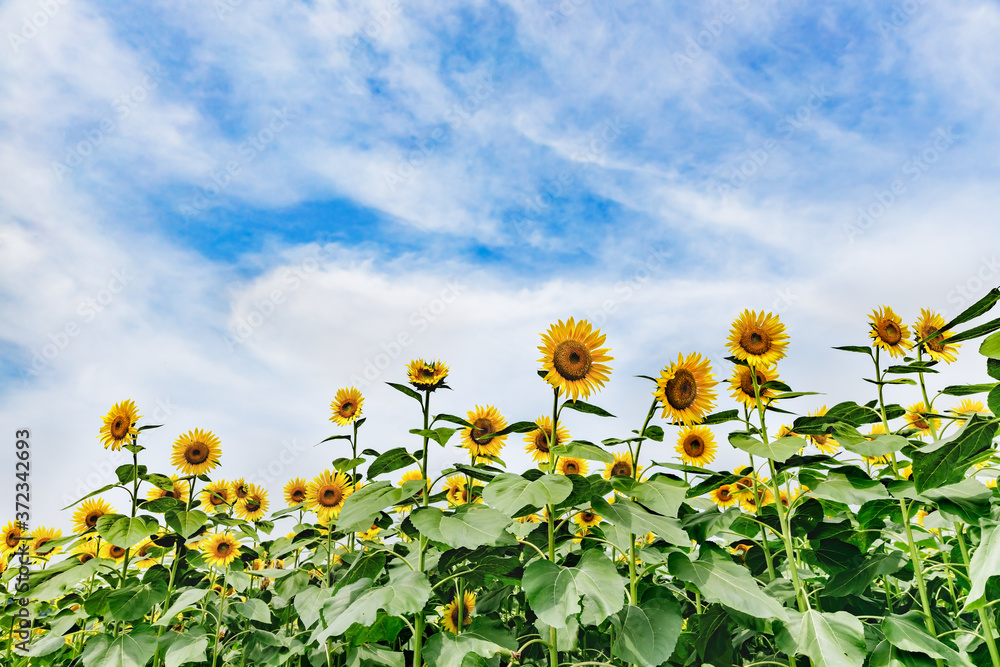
(419, 622)
(222, 613)
(984, 614)
(550, 512)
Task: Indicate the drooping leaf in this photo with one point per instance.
(132, 649)
(510, 493)
(843, 486)
(580, 406)
(390, 461)
(634, 518)
(661, 494)
(584, 450)
(828, 639)
(908, 632)
(362, 506)
(646, 635)
(721, 580)
(554, 592)
(777, 450)
(184, 523)
(485, 638)
(985, 563)
(185, 648)
(187, 599)
(470, 526)
(406, 593)
(125, 532)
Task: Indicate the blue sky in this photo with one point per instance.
(237, 206)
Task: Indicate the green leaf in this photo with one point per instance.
(634, 518)
(90, 495)
(470, 526)
(59, 583)
(720, 417)
(409, 392)
(333, 437)
(580, 406)
(453, 419)
(510, 493)
(721, 580)
(518, 427)
(993, 400)
(967, 501)
(159, 481)
(855, 348)
(777, 450)
(405, 594)
(584, 450)
(880, 446)
(851, 488)
(991, 346)
(362, 506)
(344, 464)
(441, 435)
(993, 368)
(828, 639)
(554, 592)
(908, 633)
(392, 460)
(646, 635)
(309, 602)
(133, 649)
(854, 581)
(253, 609)
(184, 601)
(985, 563)
(184, 523)
(136, 600)
(367, 655)
(484, 638)
(975, 310)
(185, 648)
(661, 494)
(125, 532)
(654, 433)
(968, 389)
(945, 461)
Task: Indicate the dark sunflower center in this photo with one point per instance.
(298, 495)
(222, 549)
(588, 517)
(425, 374)
(571, 468)
(92, 518)
(483, 427)
(175, 494)
(141, 553)
(542, 442)
(755, 342)
(937, 343)
(331, 496)
(218, 498)
(746, 382)
(694, 445)
(465, 616)
(116, 552)
(682, 390)
(921, 424)
(348, 408)
(40, 543)
(819, 439)
(119, 428)
(85, 557)
(724, 494)
(623, 468)
(890, 333)
(253, 505)
(196, 453)
(572, 360)
(12, 540)
(743, 484)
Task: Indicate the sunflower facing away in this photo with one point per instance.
(696, 445)
(888, 332)
(486, 420)
(86, 516)
(180, 492)
(346, 406)
(824, 443)
(758, 339)
(220, 549)
(570, 466)
(427, 376)
(723, 496)
(621, 467)
(196, 452)
(326, 494)
(253, 506)
(10, 538)
(538, 440)
(574, 359)
(295, 491)
(217, 496)
(685, 389)
(916, 415)
(741, 384)
(119, 425)
(449, 613)
(929, 324)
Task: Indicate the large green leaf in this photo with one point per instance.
(991, 346)
(584, 450)
(368, 655)
(406, 593)
(844, 486)
(945, 461)
(554, 591)
(484, 638)
(185, 648)
(828, 639)
(908, 633)
(985, 563)
(509, 493)
(646, 635)
(253, 609)
(57, 585)
(132, 649)
(125, 532)
(362, 506)
(967, 501)
(887, 655)
(392, 460)
(186, 524)
(777, 450)
(854, 581)
(470, 526)
(721, 580)
(136, 599)
(634, 518)
(880, 446)
(184, 601)
(661, 494)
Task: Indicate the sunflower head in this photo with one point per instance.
(371, 535)
(196, 452)
(180, 491)
(586, 518)
(478, 440)
(295, 491)
(119, 426)
(968, 407)
(824, 443)
(427, 375)
(621, 467)
(326, 494)
(84, 551)
(113, 552)
(220, 549)
(10, 538)
(696, 445)
(741, 384)
(758, 339)
(916, 416)
(85, 517)
(253, 506)
(217, 496)
(938, 348)
(568, 465)
(756, 497)
(888, 332)
(346, 406)
(459, 493)
(40, 536)
(241, 488)
(450, 612)
(573, 358)
(540, 440)
(685, 389)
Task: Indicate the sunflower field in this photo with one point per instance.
(860, 535)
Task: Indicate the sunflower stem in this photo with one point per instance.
(222, 613)
(420, 620)
(550, 512)
(984, 614)
(173, 573)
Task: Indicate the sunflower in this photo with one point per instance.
(253, 506)
(370, 535)
(968, 406)
(86, 516)
(295, 491)
(757, 497)
(741, 384)
(113, 552)
(916, 416)
(929, 324)
(744, 484)
(530, 518)
(538, 440)
(906, 472)
(217, 496)
(141, 552)
(824, 443)
(758, 339)
(449, 613)
(723, 496)
(84, 551)
(10, 538)
(241, 488)
(457, 493)
(586, 519)
(574, 359)
(888, 332)
(409, 476)
(119, 425)
(40, 536)
(427, 376)
(569, 466)
(3, 564)
(180, 492)
(346, 406)
(477, 440)
(220, 549)
(620, 467)
(741, 550)
(685, 389)
(196, 452)
(326, 494)
(696, 445)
